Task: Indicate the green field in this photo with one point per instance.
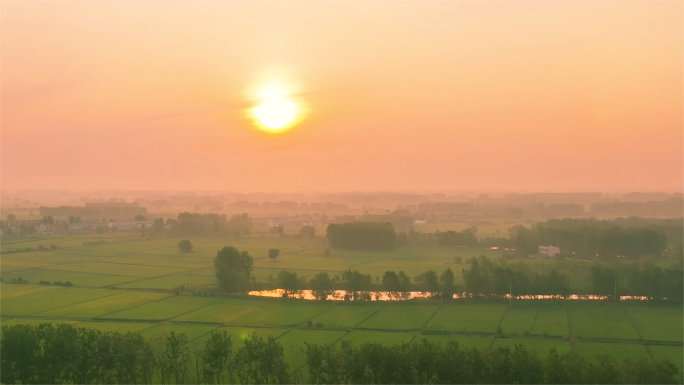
(125, 285)
(526, 319)
(468, 318)
(601, 322)
(658, 324)
(346, 316)
(401, 317)
(385, 338)
(291, 313)
(165, 309)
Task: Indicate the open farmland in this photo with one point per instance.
(127, 285)
(468, 318)
(401, 317)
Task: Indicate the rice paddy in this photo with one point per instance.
(126, 285)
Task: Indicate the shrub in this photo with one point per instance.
(185, 245)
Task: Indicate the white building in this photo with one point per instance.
(548, 251)
(78, 226)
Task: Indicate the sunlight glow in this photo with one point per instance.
(276, 112)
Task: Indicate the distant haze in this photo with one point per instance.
(402, 96)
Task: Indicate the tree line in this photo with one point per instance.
(187, 224)
(483, 278)
(361, 235)
(63, 353)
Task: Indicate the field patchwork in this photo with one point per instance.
(400, 317)
(468, 318)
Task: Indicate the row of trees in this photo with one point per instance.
(209, 224)
(360, 286)
(587, 238)
(495, 279)
(49, 354)
(483, 277)
(361, 235)
(591, 242)
(62, 353)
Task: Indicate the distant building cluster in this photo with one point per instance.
(127, 225)
(548, 251)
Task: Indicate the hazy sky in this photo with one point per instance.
(400, 95)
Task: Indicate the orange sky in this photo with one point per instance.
(414, 96)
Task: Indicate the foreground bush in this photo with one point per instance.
(55, 354)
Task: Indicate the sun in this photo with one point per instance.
(276, 112)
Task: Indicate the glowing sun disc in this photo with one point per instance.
(275, 112)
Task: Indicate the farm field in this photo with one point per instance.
(346, 316)
(468, 318)
(292, 313)
(125, 285)
(400, 316)
(674, 354)
(385, 338)
(222, 311)
(165, 309)
(549, 320)
(658, 324)
(601, 322)
(103, 306)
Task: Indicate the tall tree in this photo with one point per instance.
(321, 286)
(185, 246)
(217, 356)
(288, 281)
(429, 282)
(233, 269)
(307, 232)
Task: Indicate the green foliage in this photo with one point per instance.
(11, 217)
(452, 238)
(273, 254)
(396, 284)
(27, 229)
(429, 282)
(362, 235)
(357, 285)
(233, 269)
(321, 286)
(73, 219)
(185, 246)
(209, 224)
(447, 281)
(288, 281)
(590, 237)
(307, 232)
(140, 217)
